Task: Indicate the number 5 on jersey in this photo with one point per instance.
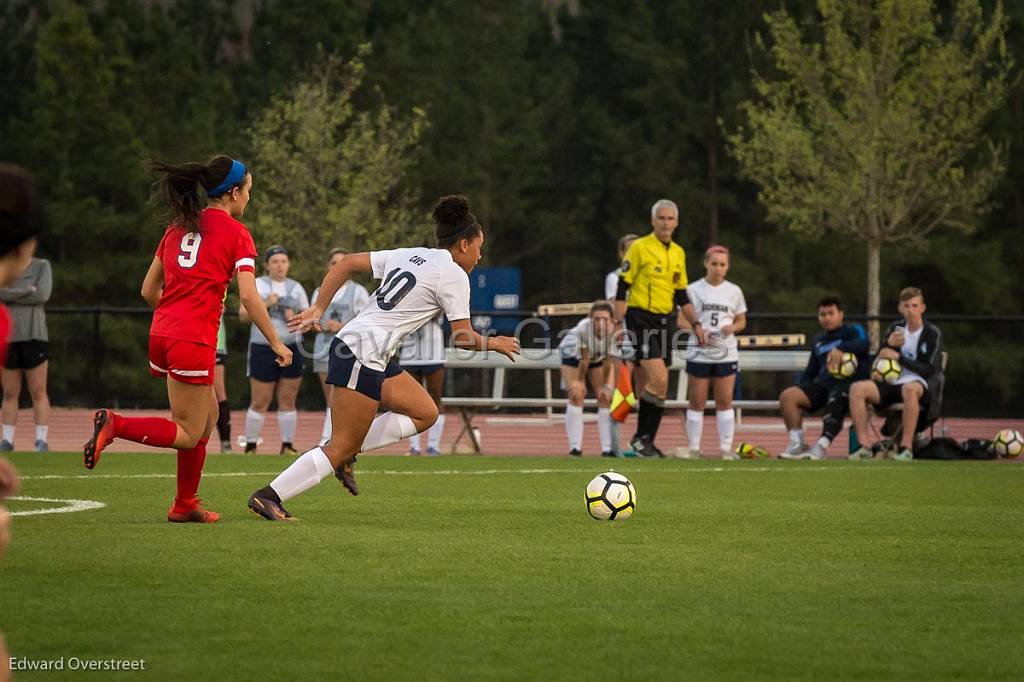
(189, 249)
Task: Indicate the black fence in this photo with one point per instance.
(98, 356)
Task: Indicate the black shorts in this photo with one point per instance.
(711, 370)
(569, 361)
(222, 359)
(263, 363)
(27, 354)
(343, 369)
(423, 370)
(653, 334)
(891, 394)
(817, 395)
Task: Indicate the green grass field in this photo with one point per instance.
(481, 568)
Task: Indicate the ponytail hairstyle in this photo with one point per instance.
(177, 187)
(453, 221)
(20, 213)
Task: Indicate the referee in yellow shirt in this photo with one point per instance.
(651, 298)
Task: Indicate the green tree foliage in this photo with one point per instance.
(328, 174)
(875, 130)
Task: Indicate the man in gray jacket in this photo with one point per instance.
(28, 352)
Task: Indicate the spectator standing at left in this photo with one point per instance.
(28, 353)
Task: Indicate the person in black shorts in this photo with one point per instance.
(817, 388)
(651, 298)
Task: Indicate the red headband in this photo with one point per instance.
(715, 249)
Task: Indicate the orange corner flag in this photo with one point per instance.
(623, 399)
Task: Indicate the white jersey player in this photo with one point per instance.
(722, 312)
(586, 352)
(416, 285)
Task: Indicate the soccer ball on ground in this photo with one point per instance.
(750, 451)
(610, 496)
(887, 370)
(1008, 443)
(846, 367)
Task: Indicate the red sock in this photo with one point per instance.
(155, 431)
(190, 470)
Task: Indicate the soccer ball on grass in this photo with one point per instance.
(610, 496)
(1008, 443)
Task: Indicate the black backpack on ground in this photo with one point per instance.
(950, 449)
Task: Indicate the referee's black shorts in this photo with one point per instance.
(652, 334)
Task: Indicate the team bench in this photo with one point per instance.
(549, 361)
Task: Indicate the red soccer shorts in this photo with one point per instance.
(184, 361)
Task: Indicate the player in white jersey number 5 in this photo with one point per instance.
(416, 285)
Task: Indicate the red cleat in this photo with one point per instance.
(102, 436)
(195, 514)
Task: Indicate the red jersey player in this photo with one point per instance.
(200, 252)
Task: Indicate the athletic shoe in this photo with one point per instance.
(796, 451)
(347, 475)
(195, 515)
(225, 446)
(413, 452)
(818, 453)
(6, 446)
(266, 503)
(608, 453)
(904, 455)
(323, 442)
(645, 448)
(687, 453)
(861, 453)
(576, 452)
(729, 454)
(42, 446)
(287, 449)
(433, 452)
(250, 447)
(102, 436)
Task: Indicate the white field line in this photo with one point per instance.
(481, 472)
(68, 507)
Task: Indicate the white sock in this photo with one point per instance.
(604, 428)
(823, 443)
(414, 442)
(796, 436)
(42, 432)
(386, 429)
(574, 426)
(694, 428)
(304, 473)
(434, 435)
(726, 428)
(253, 425)
(9, 433)
(286, 421)
(325, 432)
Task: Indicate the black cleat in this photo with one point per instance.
(575, 452)
(608, 453)
(250, 447)
(347, 475)
(645, 448)
(266, 503)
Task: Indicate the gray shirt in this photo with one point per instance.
(290, 294)
(25, 298)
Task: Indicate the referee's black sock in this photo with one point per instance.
(651, 409)
(224, 421)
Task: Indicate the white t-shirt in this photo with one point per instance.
(909, 350)
(416, 285)
(716, 306)
(611, 284)
(582, 337)
(425, 346)
(346, 304)
(290, 294)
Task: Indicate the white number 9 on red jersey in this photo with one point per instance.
(189, 249)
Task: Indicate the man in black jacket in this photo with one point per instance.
(818, 388)
(917, 345)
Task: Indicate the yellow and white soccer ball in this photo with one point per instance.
(846, 368)
(1008, 443)
(610, 497)
(887, 370)
(750, 451)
